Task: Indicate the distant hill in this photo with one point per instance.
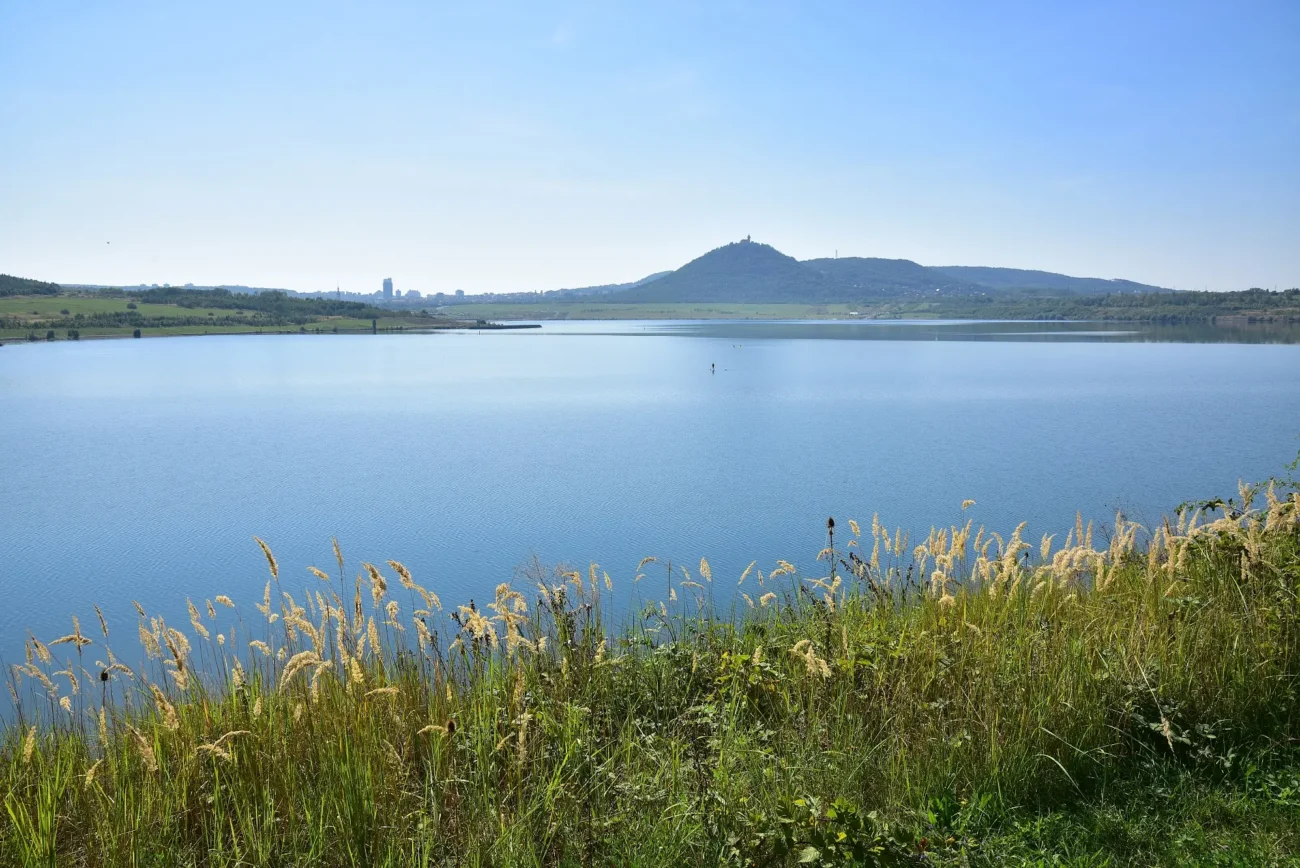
(1023, 279)
(743, 271)
(750, 272)
(605, 288)
(891, 276)
(10, 285)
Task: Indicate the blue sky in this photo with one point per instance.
(503, 146)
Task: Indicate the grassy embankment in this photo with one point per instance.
(973, 699)
(94, 315)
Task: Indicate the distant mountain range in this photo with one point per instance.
(750, 272)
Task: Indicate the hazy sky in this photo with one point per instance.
(534, 145)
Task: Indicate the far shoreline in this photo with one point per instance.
(496, 326)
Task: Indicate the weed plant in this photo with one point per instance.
(968, 699)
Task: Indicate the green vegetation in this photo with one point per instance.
(1045, 281)
(272, 303)
(871, 276)
(1256, 305)
(114, 313)
(970, 700)
(10, 285)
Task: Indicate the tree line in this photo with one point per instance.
(134, 319)
(270, 302)
(10, 285)
(1186, 306)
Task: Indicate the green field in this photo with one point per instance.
(1108, 696)
(26, 315)
(42, 307)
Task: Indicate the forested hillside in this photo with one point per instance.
(10, 285)
(874, 276)
(1025, 279)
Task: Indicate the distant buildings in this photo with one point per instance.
(388, 296)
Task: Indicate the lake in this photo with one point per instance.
(142, 469)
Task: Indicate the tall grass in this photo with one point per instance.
(841, 718)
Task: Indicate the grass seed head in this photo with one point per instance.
(90, 773)
(147, 755)
(270, 558)
(29, 745)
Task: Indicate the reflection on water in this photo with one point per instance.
(949, 330)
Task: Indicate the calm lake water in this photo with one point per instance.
(142, 469)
